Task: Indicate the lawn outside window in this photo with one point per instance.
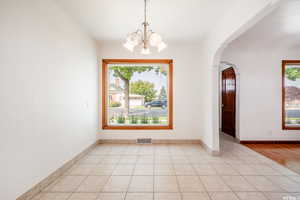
(137, 94)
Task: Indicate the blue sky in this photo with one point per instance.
(295, 83)
(159, 80)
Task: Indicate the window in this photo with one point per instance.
(137, 94)
(291, 94)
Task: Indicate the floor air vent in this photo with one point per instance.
(144, 141)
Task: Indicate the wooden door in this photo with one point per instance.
(228, 101)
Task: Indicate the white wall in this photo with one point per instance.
(260, 89)
(201, 83)
(243, 14)
(48, 93)
(186, 91)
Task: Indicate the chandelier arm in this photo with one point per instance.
(139, 31)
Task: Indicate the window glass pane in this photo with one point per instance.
(137, 94)
(292, 95)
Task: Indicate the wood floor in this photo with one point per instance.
(285, 154)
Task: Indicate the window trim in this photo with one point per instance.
(284, 63)
(105, 125)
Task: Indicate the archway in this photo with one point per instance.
(217, 67)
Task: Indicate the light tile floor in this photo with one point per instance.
(174, 172)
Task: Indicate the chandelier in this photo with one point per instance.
(145, 38)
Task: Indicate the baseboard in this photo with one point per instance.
(52, 177)
(237, 140)
(159, 141)
(155, 141)
(269, 142)
(209, 150)
(177, 142)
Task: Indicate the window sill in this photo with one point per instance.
(107, 127)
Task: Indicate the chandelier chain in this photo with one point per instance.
(145, 11)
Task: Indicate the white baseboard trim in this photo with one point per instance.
(209, 150)
(154, 141)
(52, 177)
(60, 171)
(159, 141)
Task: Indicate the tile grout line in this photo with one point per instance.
(131, 177)
(178, 185)
(109, 176)
(98, 195)
(198, 176)
(154, 166)
(74, 191)
(177, 175)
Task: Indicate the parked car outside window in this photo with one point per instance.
(156, 103)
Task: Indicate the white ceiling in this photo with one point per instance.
(175, 20)
(280, 28)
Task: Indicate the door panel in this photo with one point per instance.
(228, 101)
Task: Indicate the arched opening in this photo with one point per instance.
(219, 65)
